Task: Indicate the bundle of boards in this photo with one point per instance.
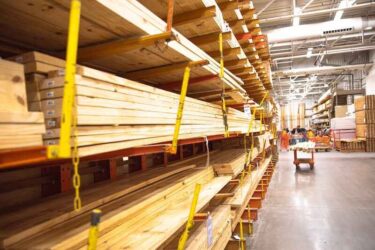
(18, 127)
(115, 113)
(142, 211)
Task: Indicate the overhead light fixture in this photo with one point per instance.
(309, 52)
(343, 4)
(297, 11)
(368, 28)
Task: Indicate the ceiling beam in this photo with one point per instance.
(120, 46)
(319, 12)
(265, 7)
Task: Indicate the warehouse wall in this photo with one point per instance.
(370, 79)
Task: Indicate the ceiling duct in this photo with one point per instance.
(316, 30)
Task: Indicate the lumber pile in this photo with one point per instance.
(212, 233)
(36, 65)
(18, 127)
(37, 218)
(353, 145)
(365, 120)
(143, 219)
(244, 191)
(115, 113)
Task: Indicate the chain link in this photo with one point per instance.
(75, 160)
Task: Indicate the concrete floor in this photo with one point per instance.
(330, 207)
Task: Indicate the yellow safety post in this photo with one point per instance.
(184, 87)
(251, 153)
(221, 75)
(94, 229)
(264, 150)
(190, 221)
(68, 116)
(242, 238)
(249, 219)
(63, 150)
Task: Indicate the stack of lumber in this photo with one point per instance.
(360, 121)
(213, 233)
(132, 218)
(244, 191)
(18, 127)
(36, 66)
(353, 145)
(229, 162)
(370, 122)
(115, 113)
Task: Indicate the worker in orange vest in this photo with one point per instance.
(284, 140)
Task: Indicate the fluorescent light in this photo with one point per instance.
(343, 4)
(309, 52)
(297, 11)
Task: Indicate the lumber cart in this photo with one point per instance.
(307, 147)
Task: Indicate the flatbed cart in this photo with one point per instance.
(297, 161)
(307, 147)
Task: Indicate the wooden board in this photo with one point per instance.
(12, 87)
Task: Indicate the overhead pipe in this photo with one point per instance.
(316, 70)
(329, 52)
(318, 12)
(316, 30)
(316, 40)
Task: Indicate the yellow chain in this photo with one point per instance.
(75, 160)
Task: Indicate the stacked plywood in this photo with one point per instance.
(18, 127)
(36, 65)
(360, 121)
(370, 122)
(116, 113)
(143, 219)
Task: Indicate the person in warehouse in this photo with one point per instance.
(284, 140)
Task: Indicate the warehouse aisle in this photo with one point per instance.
(331, 207)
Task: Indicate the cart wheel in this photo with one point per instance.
(297, 166)
(311, 165)
(326, 150)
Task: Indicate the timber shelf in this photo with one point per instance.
(115, 48)
(36, 156)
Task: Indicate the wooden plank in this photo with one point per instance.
(210, 38)
(19, 141)
(147, 73)
(194, 16)
(22, 129)
(12, 87)
(109, 49)
(31, 117)
(226, 52)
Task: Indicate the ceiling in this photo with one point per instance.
(346, 47)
